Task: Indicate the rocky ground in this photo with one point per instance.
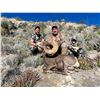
(17, 60)
(90, 78)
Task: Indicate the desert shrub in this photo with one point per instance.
(18, 19)
(5, 28)
(80, 28)
(7, 44)
(12, 26)
(92, 41)
(89, 46)
(22, 25)
(24, 30)
(96, 28)
(88, 37)
(33, 61)
(11, 60)
(70, 28)
(98, 32)
(7, 40)
(98, 62)
(85, 63)
(27, 78)
(23, 52)
(93, 45)
(4, 24)
(26, 35)
(7, 74)
(43, 26)
(97, 46)
(7, 49)
(60, 27)
(21, 47)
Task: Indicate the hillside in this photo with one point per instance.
(20, 68)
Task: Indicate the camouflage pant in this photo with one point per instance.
(35, 50)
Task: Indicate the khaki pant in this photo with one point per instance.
(64, 48)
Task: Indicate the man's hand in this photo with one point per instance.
(42, 41)
(31, 42)
(70, 47)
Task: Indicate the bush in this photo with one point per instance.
(96, 28)
(97, 46)
(7, 44)
(22, 25)
(60, 27)
(92, 41)
(12, 26)
(5, 28)
(7, 49)
(33, 61)
(93, 45)
(11, 60)
(80, 28)
(4, 24)
(21, 48)
(8, 40)
(98, 62)
(18, 19)
(85, 64)
(27, 78)
(98, 32)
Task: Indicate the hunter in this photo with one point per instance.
(74, 47)
(36, 41)
(57, 37)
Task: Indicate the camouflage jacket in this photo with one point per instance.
(37, 38)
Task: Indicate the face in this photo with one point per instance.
(37, 31)
(55, 31)
(73, 42)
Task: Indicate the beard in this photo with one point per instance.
(55, 34)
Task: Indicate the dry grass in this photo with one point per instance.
(85, 64)
(27, 79)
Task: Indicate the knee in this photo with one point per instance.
(64, 45)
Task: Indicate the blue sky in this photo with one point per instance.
(88, 18)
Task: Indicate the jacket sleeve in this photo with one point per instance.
(33, 37)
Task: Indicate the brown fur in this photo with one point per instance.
(60, 62)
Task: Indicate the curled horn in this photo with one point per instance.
(51, 48)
